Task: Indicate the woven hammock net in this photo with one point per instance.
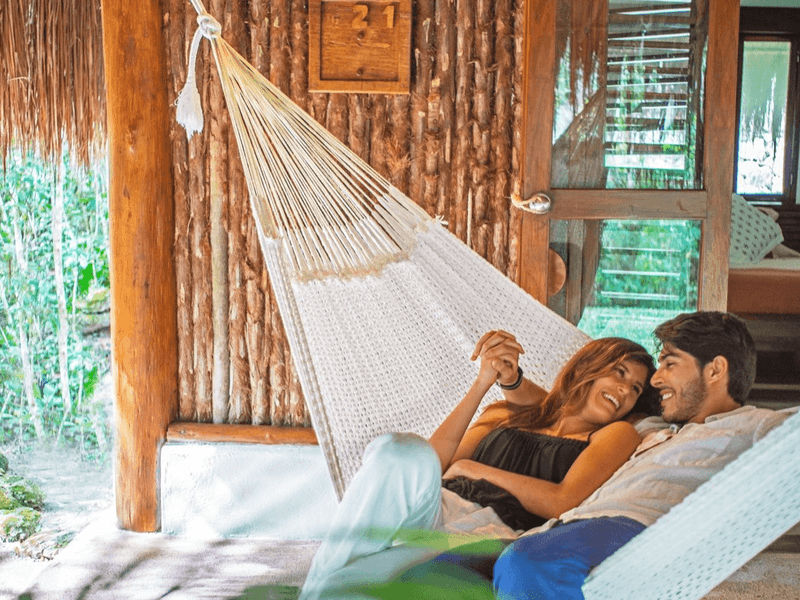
(382, 307)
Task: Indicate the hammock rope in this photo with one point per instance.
(363, 223)
(382, 306)
(714, 531)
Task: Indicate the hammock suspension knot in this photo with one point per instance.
(209, 26)
(189, 111)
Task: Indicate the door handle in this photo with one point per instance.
(538, 204)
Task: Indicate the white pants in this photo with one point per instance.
(397, 487)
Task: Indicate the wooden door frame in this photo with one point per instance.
(538, 87)
(720, 137)
(712, 205)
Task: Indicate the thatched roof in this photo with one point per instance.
(52, 90)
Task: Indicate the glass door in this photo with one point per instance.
(627, 175)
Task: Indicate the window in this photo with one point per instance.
(766, 169)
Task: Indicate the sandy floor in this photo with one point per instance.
(103, 559)
(769, 576)
(77, 493)
(103, 563)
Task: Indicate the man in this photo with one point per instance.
(706, 369)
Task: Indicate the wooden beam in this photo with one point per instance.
(537, 131)
(628, 204)
(240, 434)
(141, 230)
(720, 110)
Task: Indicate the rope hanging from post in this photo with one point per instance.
(189, 111)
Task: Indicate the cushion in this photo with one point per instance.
(753, 233)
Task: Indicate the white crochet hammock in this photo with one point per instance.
(382, 307)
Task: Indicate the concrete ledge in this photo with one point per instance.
(245, 490)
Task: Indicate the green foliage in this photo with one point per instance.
(649, 263)
(647, 273)
(29, 302)
(17, 492)
(674, 166)
(19, 524)
(270, 592)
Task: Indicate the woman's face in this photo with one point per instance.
(612, 396)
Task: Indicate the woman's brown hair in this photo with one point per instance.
(571, 388)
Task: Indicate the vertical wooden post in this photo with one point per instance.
(538, 78)
(720, 134)
(141, 231)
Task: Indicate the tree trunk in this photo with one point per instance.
(27, 368)
(25, 355)
(58, 263)
(27, 374)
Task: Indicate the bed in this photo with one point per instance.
(764, 289)
(767, 296)
(770, 286)
(764, 275)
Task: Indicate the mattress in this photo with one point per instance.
(771, 286)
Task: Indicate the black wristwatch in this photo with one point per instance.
(514, 385)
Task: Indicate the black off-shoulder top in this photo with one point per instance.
(523, 452)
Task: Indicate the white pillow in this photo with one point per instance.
(753, 234)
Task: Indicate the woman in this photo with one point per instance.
(563, 445)
(539, 454)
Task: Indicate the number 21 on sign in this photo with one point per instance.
(361, 15)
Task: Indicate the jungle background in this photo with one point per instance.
(55, 391)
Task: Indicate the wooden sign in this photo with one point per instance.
(359, 46)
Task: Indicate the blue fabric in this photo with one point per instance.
(555, 563)
(478, 557)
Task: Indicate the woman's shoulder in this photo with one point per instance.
(615, 432)
(493, 415)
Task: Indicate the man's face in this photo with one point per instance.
(680, 383)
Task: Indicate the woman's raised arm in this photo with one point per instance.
(449, 438)
(504, 350)
(499, 353)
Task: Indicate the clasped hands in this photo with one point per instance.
(499, 355)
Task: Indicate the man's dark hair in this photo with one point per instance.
(708, 334)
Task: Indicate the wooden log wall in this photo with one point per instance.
(452, 145)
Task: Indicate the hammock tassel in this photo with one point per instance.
(189, 111)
